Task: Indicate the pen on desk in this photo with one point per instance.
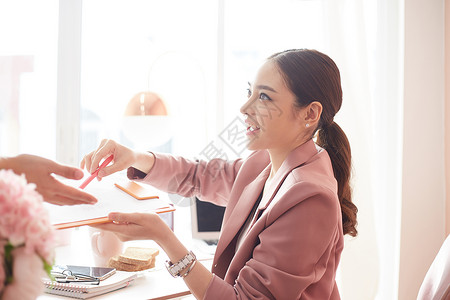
(93, 175)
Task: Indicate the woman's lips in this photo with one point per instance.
(252, 129)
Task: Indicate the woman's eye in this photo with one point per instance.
(249, 93)
(263, 96)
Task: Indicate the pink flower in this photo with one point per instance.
(24, 219)
(24, 286)
(24, 224)
(40, 237)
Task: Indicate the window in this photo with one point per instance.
(28, 52)
(163, 47)
(196, 55)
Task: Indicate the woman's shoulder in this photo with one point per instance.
(305, 193)
(315, 169)
(312, 179)
(313, 176)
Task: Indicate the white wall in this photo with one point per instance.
(447, 113)
(423, 188)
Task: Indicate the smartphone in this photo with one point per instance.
(100, 273)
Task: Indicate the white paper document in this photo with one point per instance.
(110, 199)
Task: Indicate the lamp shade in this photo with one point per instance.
(146, 122)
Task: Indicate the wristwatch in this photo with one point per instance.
(175, 268)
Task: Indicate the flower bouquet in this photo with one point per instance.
(26, 238)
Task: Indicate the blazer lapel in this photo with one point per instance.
(295, 159)
(241, 211)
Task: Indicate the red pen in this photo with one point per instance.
(93, 175)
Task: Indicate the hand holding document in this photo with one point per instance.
(110, 199)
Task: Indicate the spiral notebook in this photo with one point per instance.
(117, 281)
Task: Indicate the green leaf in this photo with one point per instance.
(8, 263)
(48, 268)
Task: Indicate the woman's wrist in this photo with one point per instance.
(144, 161)
(171, 245)
(3, 163)
(7, 163)
(195, 275)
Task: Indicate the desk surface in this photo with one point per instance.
(152, 284)
(156, 284)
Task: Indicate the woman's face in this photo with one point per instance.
(273, 122)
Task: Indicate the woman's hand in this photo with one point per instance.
(123, 158)
(39, 170)
(142, 226)
(137, 226)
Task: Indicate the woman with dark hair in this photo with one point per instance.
(288, 204)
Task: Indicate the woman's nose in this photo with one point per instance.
(247, 108)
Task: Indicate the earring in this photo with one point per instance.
(307, 125)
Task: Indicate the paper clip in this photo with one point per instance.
(67, 276)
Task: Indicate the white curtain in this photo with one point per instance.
(364, 40)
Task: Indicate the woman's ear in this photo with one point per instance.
(312, 113)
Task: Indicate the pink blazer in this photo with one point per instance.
(293, 249)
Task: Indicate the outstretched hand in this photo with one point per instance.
(136, 226)
(39, 170)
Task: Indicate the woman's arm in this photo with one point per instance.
(210, 181)
(140, 226)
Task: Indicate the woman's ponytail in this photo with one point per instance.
(313, 76)
(333, 139)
